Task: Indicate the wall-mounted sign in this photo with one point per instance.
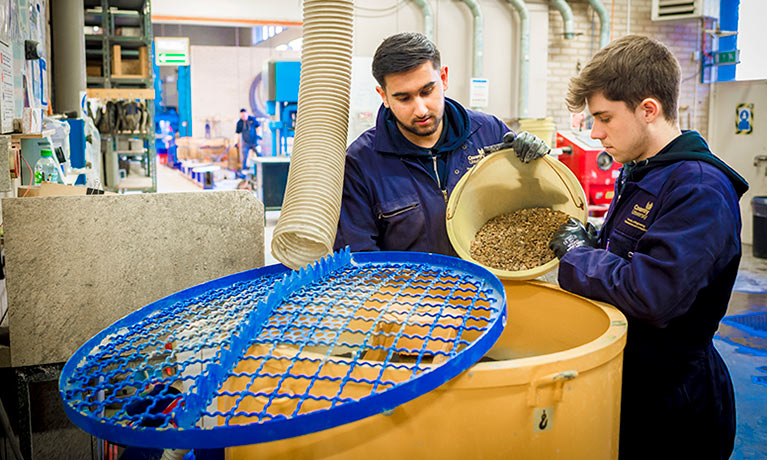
(744, 121)
(171, 50)
(479, 93)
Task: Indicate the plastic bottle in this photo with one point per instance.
(46, 169)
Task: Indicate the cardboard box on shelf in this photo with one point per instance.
(53, 189)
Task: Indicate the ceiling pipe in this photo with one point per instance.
(604, 22)
(428, 18)
(567, 17)
(524, 55)
(477, 51)
(477, 48)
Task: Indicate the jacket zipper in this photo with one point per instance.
(436, 174)
(397, 212)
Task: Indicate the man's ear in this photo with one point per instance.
(443, 76)
(650, 109)
(382, 93)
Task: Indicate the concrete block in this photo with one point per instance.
(76, 264)
(5, 173)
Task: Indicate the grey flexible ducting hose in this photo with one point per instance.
(604, 22)
(567, 17)
(428, 18)
(308, 222)
(524, 55)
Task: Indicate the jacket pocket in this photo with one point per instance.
(622, 245)
(401, 224)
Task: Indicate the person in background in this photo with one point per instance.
(247, 125)
(400, 173)
(666, 256)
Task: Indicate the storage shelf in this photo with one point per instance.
(120, 93)
(125, 67)
(128, 40)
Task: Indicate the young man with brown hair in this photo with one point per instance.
(667, 255)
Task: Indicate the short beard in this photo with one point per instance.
(421, 133)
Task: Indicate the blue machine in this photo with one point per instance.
(282, 101)
(77, 146)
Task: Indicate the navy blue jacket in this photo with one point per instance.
(668, 256)
(395, 193)
(248, 130)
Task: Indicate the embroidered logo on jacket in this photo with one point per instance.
(474, 159)
(641, 212)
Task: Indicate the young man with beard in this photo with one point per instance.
(400, 173)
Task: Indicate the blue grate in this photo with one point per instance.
(753, 323)
(270, 354)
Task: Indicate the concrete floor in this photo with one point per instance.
(742, 342)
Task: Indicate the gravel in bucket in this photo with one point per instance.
(518, 240)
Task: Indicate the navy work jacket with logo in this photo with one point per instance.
(668, 257)
(394, 194)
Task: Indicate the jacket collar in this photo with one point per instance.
(458, 125)
(687, 146)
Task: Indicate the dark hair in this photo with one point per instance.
(243, 110)
(629, 69)
(402, 52)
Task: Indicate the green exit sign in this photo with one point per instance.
(171, 51)
(726, 57)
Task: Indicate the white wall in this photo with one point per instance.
(226, 11)
(453, 32)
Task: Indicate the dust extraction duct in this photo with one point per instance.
(307, 225)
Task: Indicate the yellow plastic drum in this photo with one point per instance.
(550, 389)
(500, 184)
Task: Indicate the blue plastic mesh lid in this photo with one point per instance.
(271, 353)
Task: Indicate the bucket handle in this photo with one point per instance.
(557, 378)
(576, 199)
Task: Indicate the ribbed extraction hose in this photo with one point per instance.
(308, 222)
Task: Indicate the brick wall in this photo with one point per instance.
(566, 57)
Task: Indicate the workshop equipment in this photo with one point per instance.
(271, 179)
(549, 388)
(269, 354)
(499, 184)
(592, 165)
(282, 79)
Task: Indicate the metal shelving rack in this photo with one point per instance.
(111, 15)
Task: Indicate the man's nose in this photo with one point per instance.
(420, 108)
(597, 132)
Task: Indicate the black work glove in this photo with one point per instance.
(572, 234)
(528, 146)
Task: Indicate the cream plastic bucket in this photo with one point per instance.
(554, 392)
(545, 128)
(500, 183)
